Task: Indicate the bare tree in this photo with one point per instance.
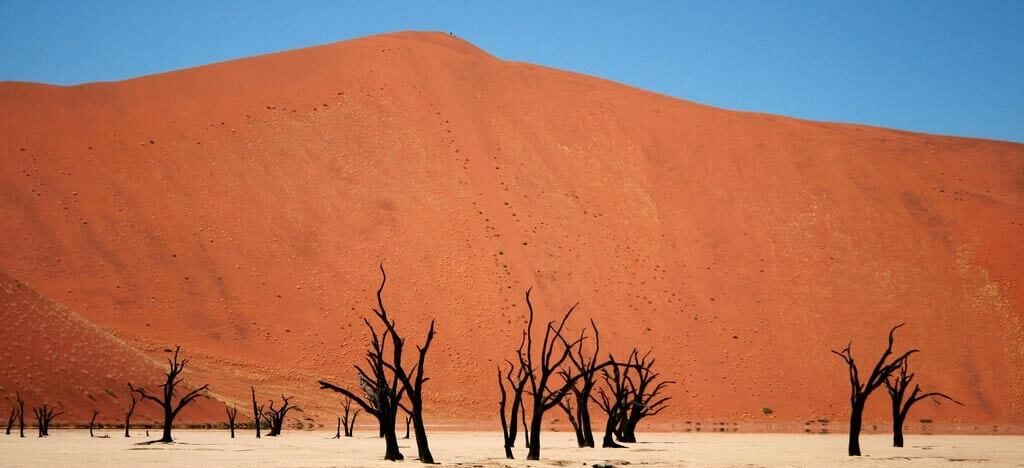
(166, 398)
(897, 386)
(644, 398)
(92, 421)
(337, 433)
(232, 412)
(859, 392)
(613, 398)
(276, 416)
(408, 419)
(21, 414)
(44, 417)
(13, 417)
(554, 351)
(579, 416)
(391, 381)
(257, 412)
(348, 419)
(128, 414)
(382, 391)
(516, 385)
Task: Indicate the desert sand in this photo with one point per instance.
(240, 210)
(480, 449)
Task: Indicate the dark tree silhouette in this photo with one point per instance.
(579, 416)
(128, 414)
(897, 385)
(511, 414)
(408, 419)
(232, 412)
(859, 392)
(337, 433)
(10, 419)
(166, 398)
(348, 418)
(545, 394)
(44, 416)
(92, 421)
(388, 391)
(21, 414)
(257, 412)
(644, 396)
(613, 398)
(276, 416)
(382, 392)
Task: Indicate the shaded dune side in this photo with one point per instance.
(241, 209)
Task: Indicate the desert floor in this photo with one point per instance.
(477, 449)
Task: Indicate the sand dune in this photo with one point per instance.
(240, 210)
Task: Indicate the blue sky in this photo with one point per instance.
(933, 66)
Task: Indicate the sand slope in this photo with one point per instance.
(240, 209)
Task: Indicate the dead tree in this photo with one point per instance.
(276, 416)
(337, 433)
(897, 386)
(21, 414)
(413, 379)
(166, 398)
(859, 392)
(348, 419)
(579, 416)
(510, 419)
(92, 421)
(613, 398)
(553, 353)
(10, 419)
(408, 419)
(645, 396)
(232, 414)
(44, 417)
(128, 414)
(382, 391)
(257, 412)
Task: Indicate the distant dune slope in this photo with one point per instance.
(240, 209)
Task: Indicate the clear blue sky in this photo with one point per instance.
(933, 66)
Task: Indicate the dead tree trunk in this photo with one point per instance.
(232, 414)
(510, 419)
(11, 419)
(166, 398)
(21, 414)
(579, 416)
(257, 412)
(92, 421)
(897, 386)
(383, 391)
(128, 414)
(44, 416)
(644, 397)
(859, 392)
(337, 433)
(276, 416)
(408, 419)
(348, 419)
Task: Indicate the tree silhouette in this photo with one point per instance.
(554, 351)
(579, 416)
(257, 412)
(166, 398)
(276, 416)
(44, 416)
(859, 392)
(897, 386)
(516, 385)
(382, 389)
(13, 417)
(644, 396)
(613, 398)
(92, 421)
(128, 414)
(348, 418)
(21, 414)
(232, 412)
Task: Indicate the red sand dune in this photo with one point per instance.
(240, 209)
